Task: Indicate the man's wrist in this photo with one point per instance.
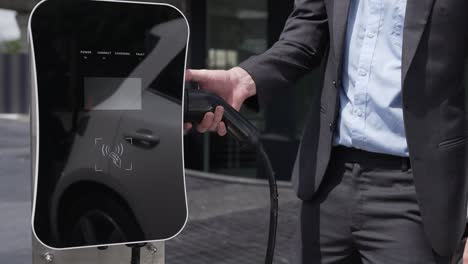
(245, 80)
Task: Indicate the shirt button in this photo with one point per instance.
(358, 112)
(359, 98)
(370, 35)
(362, 72)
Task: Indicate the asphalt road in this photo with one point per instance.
(228, 222)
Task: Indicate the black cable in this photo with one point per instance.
(270, 252)
(136, 252)
(135, 259)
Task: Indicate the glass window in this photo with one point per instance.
(236, 30)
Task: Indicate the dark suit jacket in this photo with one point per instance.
(435, 48)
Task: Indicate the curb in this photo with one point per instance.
(232, 179)
(15, 117)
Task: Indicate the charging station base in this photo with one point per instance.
(153, 253)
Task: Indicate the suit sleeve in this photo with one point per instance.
(301, 47)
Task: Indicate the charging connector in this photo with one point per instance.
(199, 102)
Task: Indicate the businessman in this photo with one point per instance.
(382, 165)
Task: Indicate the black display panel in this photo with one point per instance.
(108, 161)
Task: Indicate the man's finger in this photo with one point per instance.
(206, 123)
(465, 254)
(188, 75)
(218, 116)
(222, 131)
(196, 75)
(187, 126)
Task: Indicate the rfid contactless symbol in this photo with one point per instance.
(113, 153)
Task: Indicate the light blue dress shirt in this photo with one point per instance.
(371, 114)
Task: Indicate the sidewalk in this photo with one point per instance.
(228, 222)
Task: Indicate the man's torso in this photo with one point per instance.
(433, 98)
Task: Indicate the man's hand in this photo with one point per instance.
(465, 254)
(234, 86)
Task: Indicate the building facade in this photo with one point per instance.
(224, 33)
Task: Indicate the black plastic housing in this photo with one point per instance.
(199, 102)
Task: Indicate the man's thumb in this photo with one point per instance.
(194, 75)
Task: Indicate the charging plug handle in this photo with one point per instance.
(199, 102)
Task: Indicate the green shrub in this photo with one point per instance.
(14, 46)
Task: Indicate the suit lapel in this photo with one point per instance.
(417, 14)
(340, 18)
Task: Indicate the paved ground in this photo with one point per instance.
(15, 193)
(227, 224)
(235, 234)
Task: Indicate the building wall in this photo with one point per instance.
(234, 31)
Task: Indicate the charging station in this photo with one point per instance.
(108, 106)
(107, 122)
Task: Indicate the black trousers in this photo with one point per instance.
(365, 211)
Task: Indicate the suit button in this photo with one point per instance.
(335, 84)
(332, 126)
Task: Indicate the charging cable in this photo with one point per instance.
(196, 104)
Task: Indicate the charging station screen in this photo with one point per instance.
(102, 93)
(110, 78)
